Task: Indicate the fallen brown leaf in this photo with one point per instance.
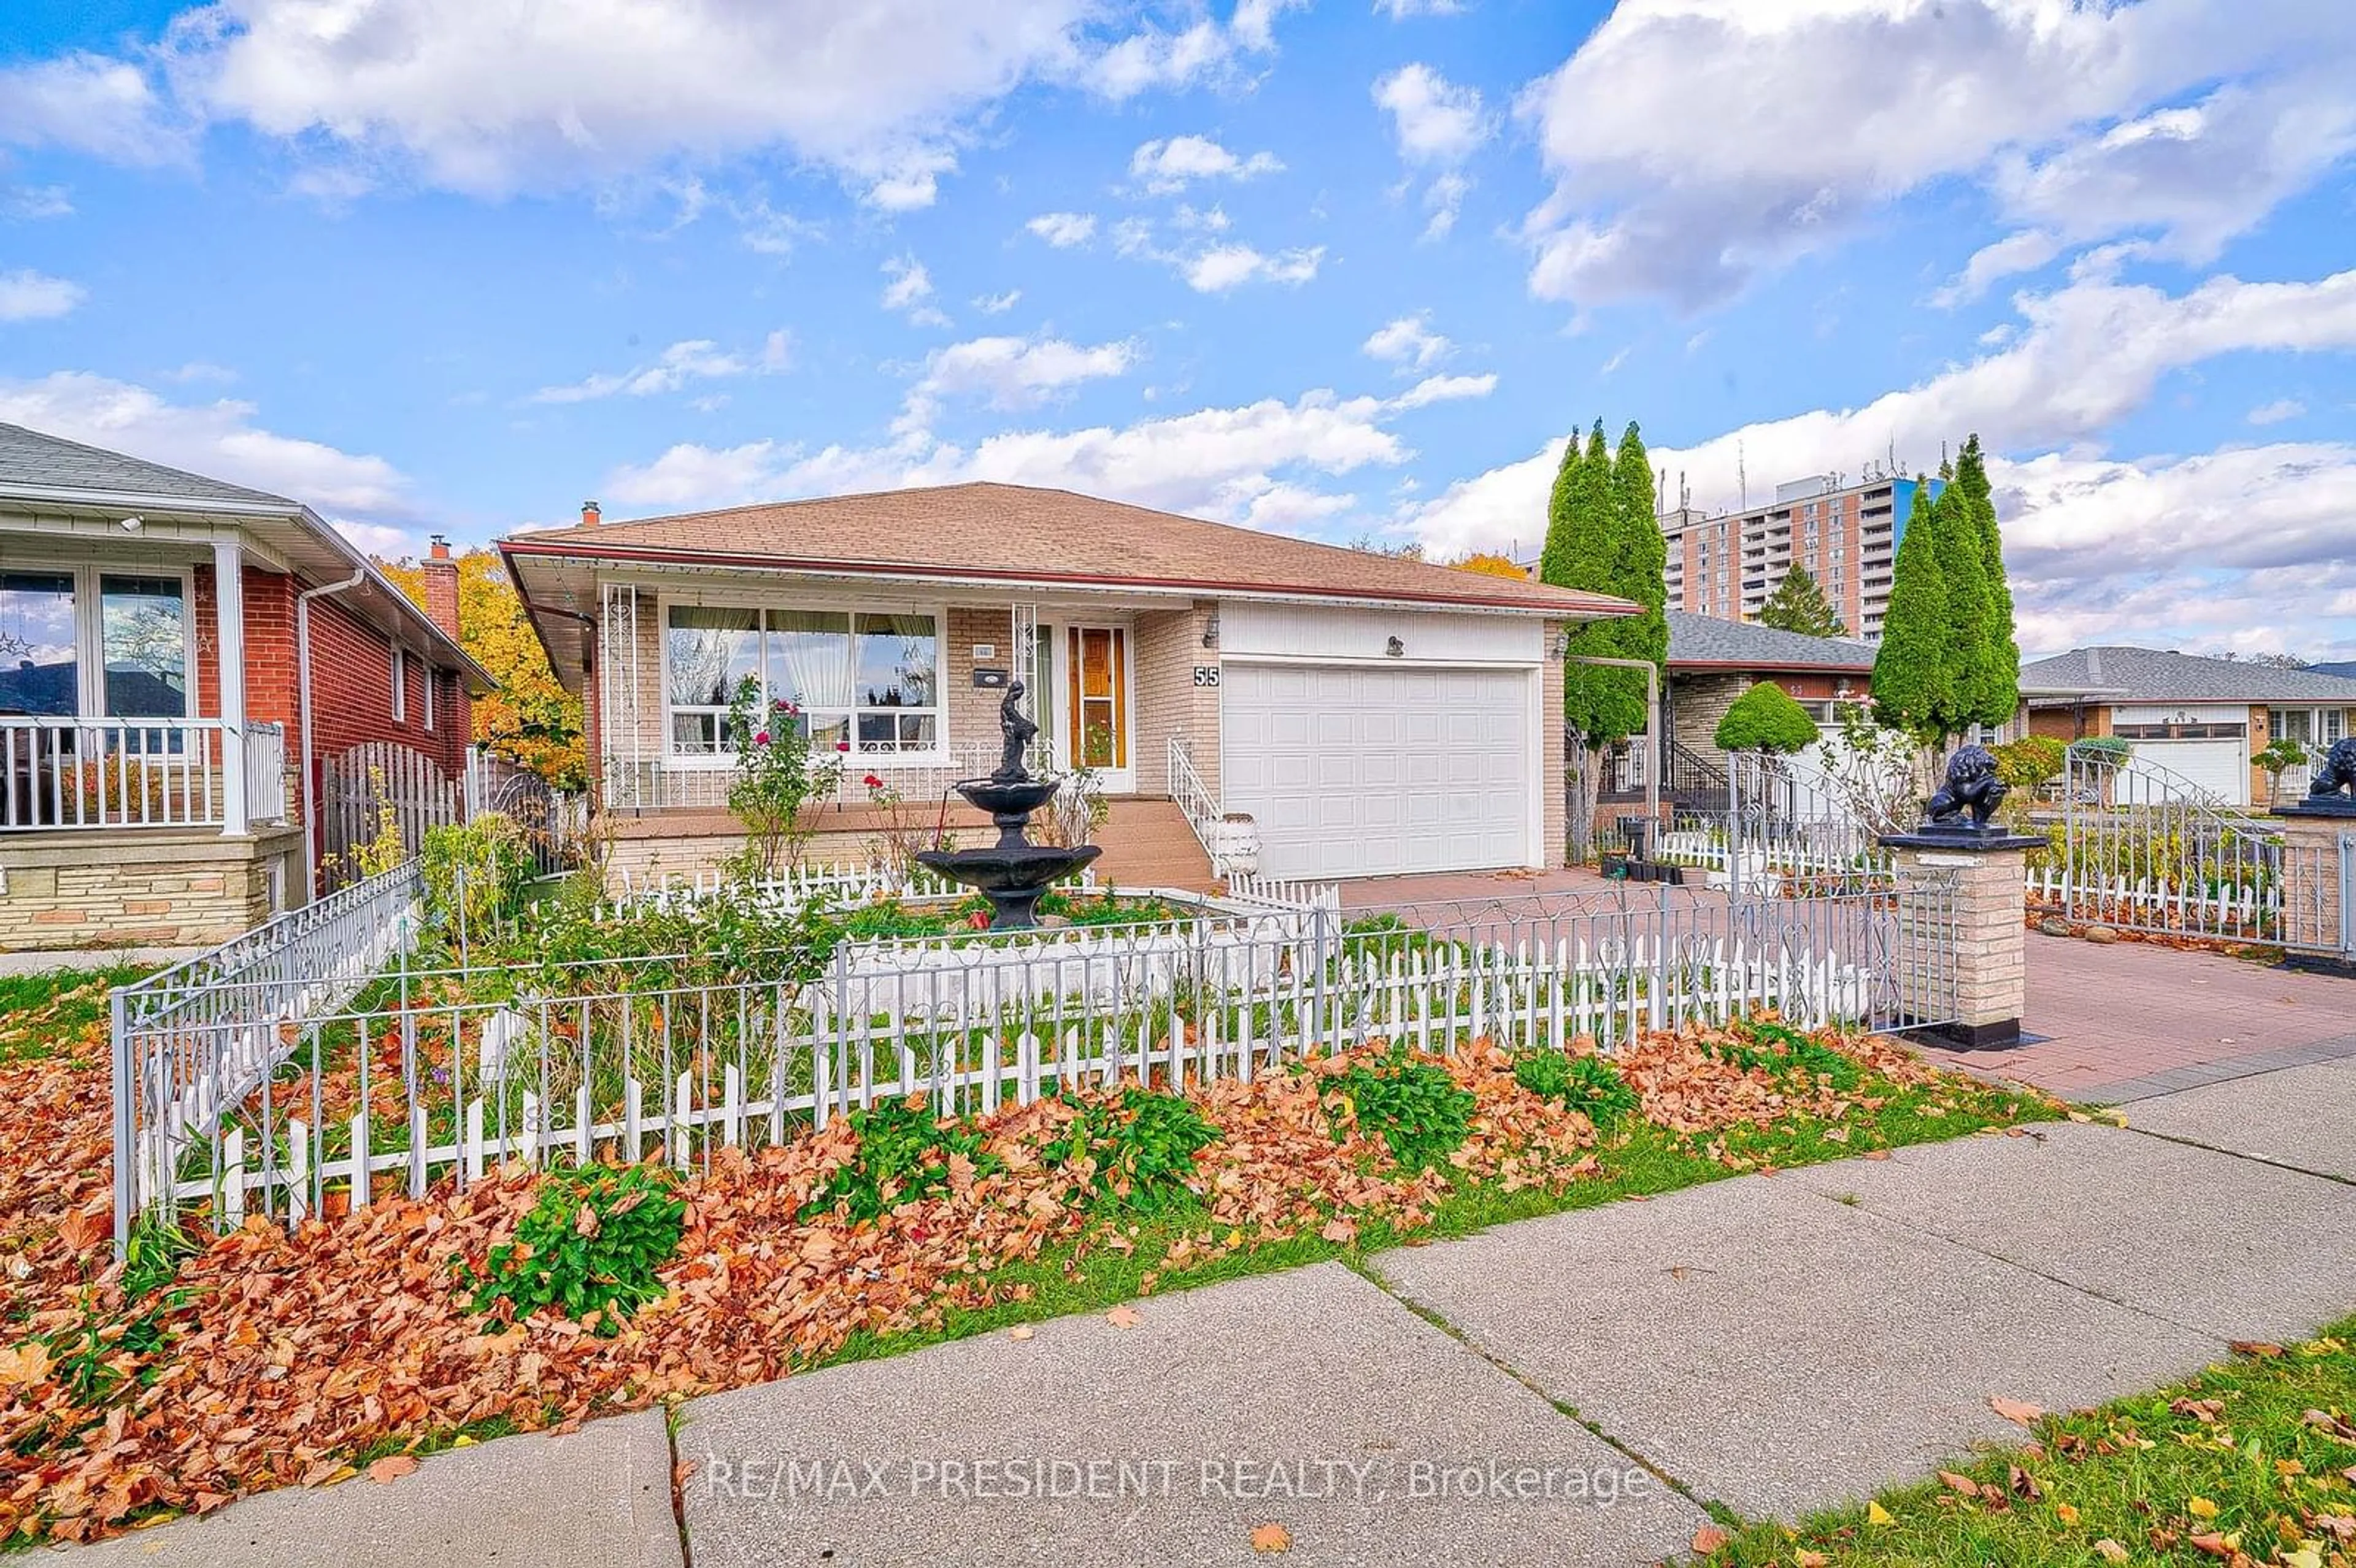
(2017, 1411)
(1123, 1317)
(1270, 1538)
(1710, 1540)
(391, 1468)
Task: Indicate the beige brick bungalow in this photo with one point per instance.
(1373, 714)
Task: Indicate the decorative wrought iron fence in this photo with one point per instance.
(192, 1042)
(2145, 849)
(434, 1073)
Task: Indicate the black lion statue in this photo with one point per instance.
(1972, 786)
(2337, 775)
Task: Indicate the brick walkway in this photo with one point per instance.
(2131, 1020)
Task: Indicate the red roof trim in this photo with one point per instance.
(1596, 604)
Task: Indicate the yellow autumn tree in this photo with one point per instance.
(532, 720)
(1493, 565)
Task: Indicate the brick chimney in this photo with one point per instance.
(442, 586)
(589, 514)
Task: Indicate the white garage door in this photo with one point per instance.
(2220, 767)
(1366, 770)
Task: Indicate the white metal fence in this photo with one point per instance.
(193, 1042)
(2145, 849)
(440, 1072)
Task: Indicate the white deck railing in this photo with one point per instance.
(72, 773)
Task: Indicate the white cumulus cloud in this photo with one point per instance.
(1694, 142)
(1408, 341)
(217, 439)
(1064, 230)
(1172, 164)
(1225, 267)
(28, 295)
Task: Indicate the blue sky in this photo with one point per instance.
(1335, 267)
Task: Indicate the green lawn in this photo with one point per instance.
(2252, 1462)
(59, 1011)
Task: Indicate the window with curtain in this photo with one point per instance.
(867, 683)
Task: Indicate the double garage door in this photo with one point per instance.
(1357, 771)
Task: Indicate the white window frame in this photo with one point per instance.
(399, 671)
(90, 638)
(430, 682)
(852, 609)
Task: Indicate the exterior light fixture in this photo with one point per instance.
(1210, 632)
(1395, 649)
(132, 524)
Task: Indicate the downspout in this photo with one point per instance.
(303, 684)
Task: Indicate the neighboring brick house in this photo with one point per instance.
(2192, 721)
(1373, 714)
(1711, 662)
(158, 758)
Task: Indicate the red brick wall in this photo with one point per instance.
(351, 676)
(351, 693)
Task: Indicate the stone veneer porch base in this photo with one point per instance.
(146, 888)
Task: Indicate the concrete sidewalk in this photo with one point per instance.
(1567, 1389)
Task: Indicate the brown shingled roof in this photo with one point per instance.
(1018, 533)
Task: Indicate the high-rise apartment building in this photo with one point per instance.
(1846, 534)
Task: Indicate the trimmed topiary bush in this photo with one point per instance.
(1765, 718)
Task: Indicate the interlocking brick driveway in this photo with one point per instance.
(2135, 1020)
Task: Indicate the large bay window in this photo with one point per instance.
(867, 682)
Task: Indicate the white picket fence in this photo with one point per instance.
(694, 1071)
(2252, 908)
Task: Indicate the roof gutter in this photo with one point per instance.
(262, 510)
(1599, 606)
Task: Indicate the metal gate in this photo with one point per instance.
(2143, 848)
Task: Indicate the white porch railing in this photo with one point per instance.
(72, 773)
(1193, 795)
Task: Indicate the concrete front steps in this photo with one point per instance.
(1147, 844)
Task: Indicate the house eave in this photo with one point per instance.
(1595, 607)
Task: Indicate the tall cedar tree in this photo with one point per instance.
(1604, 536)
(1798, 604)
(1910, 672)
(1963, 576)
(1996, 695)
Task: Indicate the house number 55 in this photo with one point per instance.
(1207, 675)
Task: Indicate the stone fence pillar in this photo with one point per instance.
(1977, 940)
(2319, 883)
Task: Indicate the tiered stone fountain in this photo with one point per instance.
(1013, 873)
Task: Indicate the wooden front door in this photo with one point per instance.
(1098, 705)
